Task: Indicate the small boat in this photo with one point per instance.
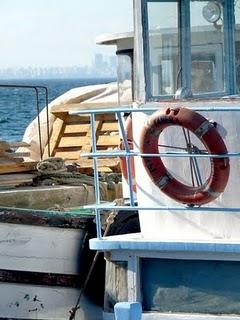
(181, 160)
(45, 256)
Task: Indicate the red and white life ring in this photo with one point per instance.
(207, 133)
(123, 162)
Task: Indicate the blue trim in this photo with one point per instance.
(168, 154)
(96, 177)
(120, 243)
(111, 206)
(154, 107)
(146, 49)
(229, 46)
(185, 44)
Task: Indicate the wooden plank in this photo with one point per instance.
(21, 154)
(17, 167)
(81, 141)
(18, 144)
(14, 179)
(69, 155)
(77, 128)
(57, 129)
(10, 160)
(85, 118)
(74, 219)
(116, 283)
(81, 106)
(24, 301)
(8, 145)
(13, 155)
(109, 162)
(40, 249)
(80, 128)
(110, 126)
(104, 165)
(48, 197)
(88, 147)
(39, 278)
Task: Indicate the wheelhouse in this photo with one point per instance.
(187, 48)
(181, 265)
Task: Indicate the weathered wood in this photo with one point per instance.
(48, 197)
(85, 127)
(116, 287)
(46, 218)
(17, 167)
(67, 154)
(81, 141)
(112, 162)
(40, 249)
(81, 106)
(21, 154)
(58, 127)
(71, 136)
(19, 301)
(15, 178)
(77, 128)
(83, 118)
(39, 278)
(110, 126)
(8, 145)
(7, 160)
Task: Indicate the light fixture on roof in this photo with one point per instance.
(212, 12)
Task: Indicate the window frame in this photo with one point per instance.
(185, 50)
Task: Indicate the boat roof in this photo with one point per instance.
(113, 38)
(123, 40)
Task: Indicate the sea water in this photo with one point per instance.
(18, 105)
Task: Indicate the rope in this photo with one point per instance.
(54, 171)
(51, 165)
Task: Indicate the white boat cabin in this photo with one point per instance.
(185, 262)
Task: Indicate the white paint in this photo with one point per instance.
(40, 249)
(190, 225)
(40, 302)
(164, 316)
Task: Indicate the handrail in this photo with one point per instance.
(36, 89)
(129, 153)
(143, 108)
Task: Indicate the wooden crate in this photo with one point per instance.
(71, 136)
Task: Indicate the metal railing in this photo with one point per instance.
(37, 90)
(127, 153)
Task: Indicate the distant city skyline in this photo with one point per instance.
(102, 66)
(53, 33)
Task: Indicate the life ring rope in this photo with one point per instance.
(205, 131)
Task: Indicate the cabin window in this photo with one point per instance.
(190, 286)
(207, 46)
(125, 76)
(189, 48)
(163, 47)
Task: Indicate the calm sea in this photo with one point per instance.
(18, 106)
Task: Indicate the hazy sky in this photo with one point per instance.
(58, 32)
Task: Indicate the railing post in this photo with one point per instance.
(128, 311)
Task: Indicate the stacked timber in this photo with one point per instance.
(71, 137)
(13, 164)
